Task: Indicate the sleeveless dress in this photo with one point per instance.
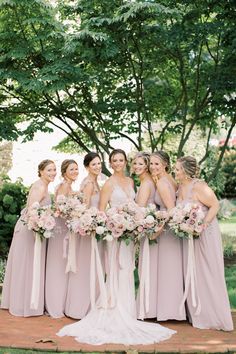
(116, 321)
(78, 291)
(167, 296)
(210, 282)
(17, 286)
(152, 252)
(56, 279)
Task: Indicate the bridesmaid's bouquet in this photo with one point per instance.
(153, 222)
(187, 220)
(69, 207)
(124, 221)
(92, 222)
(40, 219)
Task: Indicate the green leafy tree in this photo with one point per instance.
(12, 200)
(103, 70)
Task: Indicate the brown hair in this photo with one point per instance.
(190, 166)
(143, 155)
(117, 151)
(89, 157)
(164, 157)
(42, 165)
(65, 165)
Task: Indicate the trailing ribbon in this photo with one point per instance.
(190, 280)
(96, 270)
(144, 286)
(34, 302)
(70, 242)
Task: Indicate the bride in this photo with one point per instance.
(113, 319)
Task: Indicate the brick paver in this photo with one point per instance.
(40, 333)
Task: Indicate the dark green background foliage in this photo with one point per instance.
(12, 200)
(229, 169)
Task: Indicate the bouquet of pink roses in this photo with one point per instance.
(92, 222)
(69, 207)
(40, 220)
(124, 221)
(187, 220)
(152, 222)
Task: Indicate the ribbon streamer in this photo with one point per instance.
(96, 270)
(71, 257)
(144, 286)
(190, 280)
(34, 302)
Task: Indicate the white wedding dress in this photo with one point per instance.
(113, 318)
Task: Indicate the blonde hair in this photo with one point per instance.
(143, 155)
(190, 166)
(42, 165)
(65, 165)
(164, 157)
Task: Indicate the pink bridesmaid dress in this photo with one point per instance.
(169, 291)
(78, 292)
(210, 286)
(56, 278)
(152, 253)
(17, 286)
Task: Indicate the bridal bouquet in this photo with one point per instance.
(187, 220)
(153, 222)
(92, 222)
(69, 207)
(40, 220)
(124, 221)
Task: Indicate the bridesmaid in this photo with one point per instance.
(146, 191)
(210, 283)
(56, 276)
(78, 293)
(16, 294)
(166, 264)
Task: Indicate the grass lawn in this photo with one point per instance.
(230, 277)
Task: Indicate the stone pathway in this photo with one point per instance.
(40, 333)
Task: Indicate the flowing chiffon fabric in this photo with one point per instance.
(116, 321)
(56, 277)
(170, 287)
(17, 286)
(210, 282)
(78, 291)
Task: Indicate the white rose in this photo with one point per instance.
(47, 234)
(100, 230)
(149, 219)
(108, 238)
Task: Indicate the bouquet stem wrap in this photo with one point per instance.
(144, 286)
(96, 270)
(34, 302)
(191, 279)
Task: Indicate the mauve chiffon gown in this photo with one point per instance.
(56, 277)
(17, 286)
(114, 319)
(152, 252)
(78, 291)
(170, 288)
(210, 282)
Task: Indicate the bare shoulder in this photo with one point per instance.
(62, 189)
(37, 186)
(108, 184)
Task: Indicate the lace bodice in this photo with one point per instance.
(158, 199)
(94, 201)
(120, 196)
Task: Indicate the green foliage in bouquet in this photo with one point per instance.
(12, 200)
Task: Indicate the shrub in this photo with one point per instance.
(2, 269)
(12, 200)
(229, 170)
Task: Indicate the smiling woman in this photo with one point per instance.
(19, 277)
